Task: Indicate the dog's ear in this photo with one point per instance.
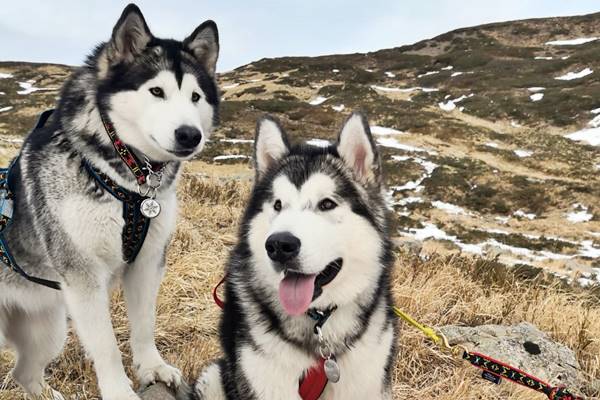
(130, 36)
(356, 147)
(270, 145)
(204, 44)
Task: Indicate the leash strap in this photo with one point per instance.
(313, 384)
(503, 370)
(494, 367)
(136, 225)
(128, 157)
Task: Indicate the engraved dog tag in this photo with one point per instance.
(332, 370)
(150, 208)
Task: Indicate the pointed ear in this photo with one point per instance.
(270, 145)
(130, 36)
(204, 45)
(356, 147)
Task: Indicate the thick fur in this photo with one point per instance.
(67, 228)
(266, 351)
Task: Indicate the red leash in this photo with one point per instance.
(314, 382)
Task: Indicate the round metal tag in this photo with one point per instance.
(332, 370)
(150, 208)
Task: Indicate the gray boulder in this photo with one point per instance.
(525, 347)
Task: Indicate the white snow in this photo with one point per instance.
(428, 74)
(543, 58)
(403, 90)
(536, 96)
(394, 144)
(230, 157)
(502, 220)
(1, 93)
(581, 215)
(565, 57)
(448, 68)
(492, 144)
(4, 109)
(318, 100)
(409, 200)
(428, 166)
(536, 89)
(231, 86)
(235, 141)
(523, 153)
(28, 87)
(447, 106)
(335, 70)
(457, 73)
(595, 123)
(515, 124)
(449, 208)
(595, 111)
(401, 158)
(590, 136)
(318, 142)
(523, 214)
(338, 108)
(368, 70)
(382, 130)
(390, 74)
(5, 75)
(572, 42)
(575, 75)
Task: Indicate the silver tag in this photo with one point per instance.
(332, 370)
(150, 208)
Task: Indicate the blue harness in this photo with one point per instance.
(134, 230)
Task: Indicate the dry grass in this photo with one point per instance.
(438, 291)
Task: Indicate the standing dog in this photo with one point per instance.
(308, 282)
(155, 101)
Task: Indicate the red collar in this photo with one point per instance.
(312, 385)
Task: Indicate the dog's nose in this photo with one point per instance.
(282, 246)
(187, 137)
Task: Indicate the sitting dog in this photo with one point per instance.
(93, 193)
(307, 312)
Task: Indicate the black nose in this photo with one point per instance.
(187, 137)
(282, 246)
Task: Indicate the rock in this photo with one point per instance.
(409, 246)
(160, 391)
(525, 347)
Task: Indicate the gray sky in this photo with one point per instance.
(64, 31)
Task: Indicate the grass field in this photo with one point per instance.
(441, 290)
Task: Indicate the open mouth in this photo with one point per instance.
(297, 290)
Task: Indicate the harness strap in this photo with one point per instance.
(6, 212)
(313, 383)
(136, 225)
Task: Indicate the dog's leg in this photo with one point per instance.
(38, 338)
(209, 386)
(89, 308)
(141, 283)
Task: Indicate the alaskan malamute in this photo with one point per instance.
(94, 202)
(308, 282)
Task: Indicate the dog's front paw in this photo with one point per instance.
(165, 373)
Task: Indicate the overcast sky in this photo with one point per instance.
(64, 31)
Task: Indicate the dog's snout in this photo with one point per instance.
(282, 246)
(187, 137)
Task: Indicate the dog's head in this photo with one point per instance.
(160, 95)
(316, 223)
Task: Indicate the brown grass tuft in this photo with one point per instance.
(438, 291)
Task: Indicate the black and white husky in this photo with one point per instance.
(160, 98)
(309, 278)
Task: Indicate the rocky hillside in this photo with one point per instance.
(490, 135)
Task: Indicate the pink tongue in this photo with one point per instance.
(296, 292)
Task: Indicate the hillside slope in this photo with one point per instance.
(473, 127)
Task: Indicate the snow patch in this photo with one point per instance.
(403, 90)
(543, 58)
(448, 68)
(230, 157)
(571, 42)
(523, 153)
(575, 75)
(318, 142)
(5, 75)
(381, 130)
(390, 74)
(318, 100)
(4, 109)
(231, 86)
(581, 215)
(236, 141)
(536, 96)
(428, 74)
(523, 214)
(492, 144)
(335, 70)
(338, 108)
(590, 136)
(449, 208)
(536, 89)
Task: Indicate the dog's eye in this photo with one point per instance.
(327, 205)
(277, 205)
(157, 92)
(195, 97)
